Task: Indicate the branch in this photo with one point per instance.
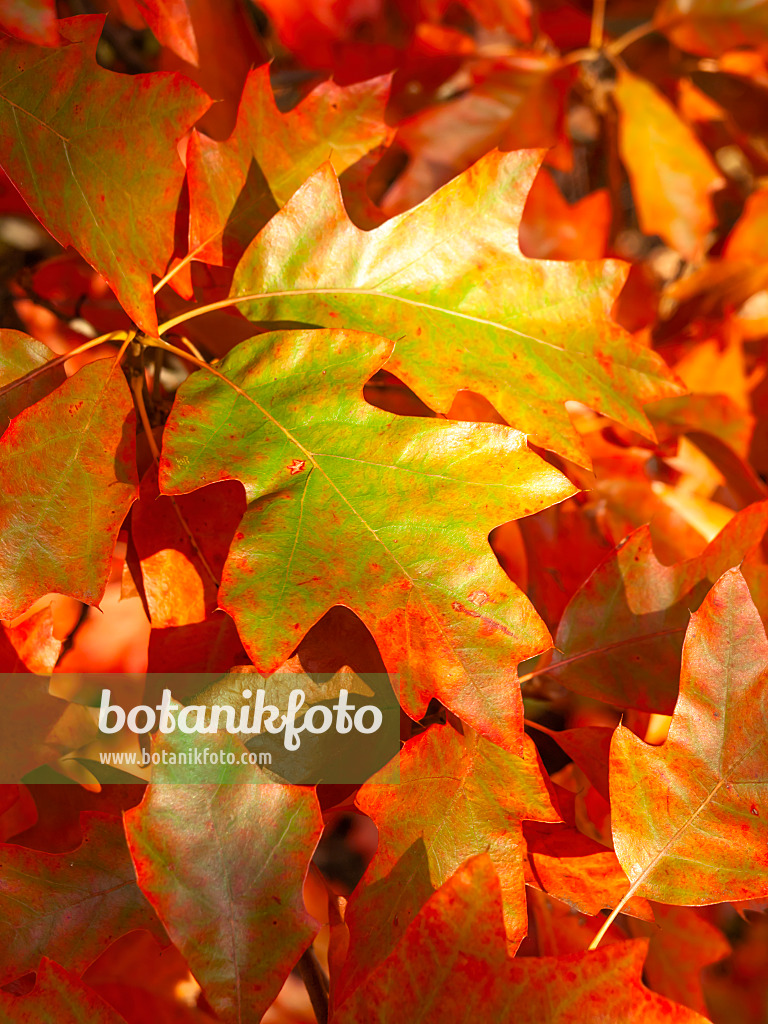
(315, 983)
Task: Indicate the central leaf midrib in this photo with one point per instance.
(320, 469)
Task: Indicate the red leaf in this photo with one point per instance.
(31, 20)
(714, 26)
(552, 229)
(452, 964)
(672, 174)
(210, 646)
(682, 944)
(65, 166)
(20, 355)
(232, 198)
(29, 645)
(69, 905)
(224, 867)
(563, 862)
(181, 545)
(690, 820)
(621, 635)
(169, 21)
(58, 997)
(63, 508)
(449, 798)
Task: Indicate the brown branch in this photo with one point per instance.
(315, 983)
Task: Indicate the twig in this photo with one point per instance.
(596, 28)
(315, 983)
(621, 44)
(137, 386)
(69, 640)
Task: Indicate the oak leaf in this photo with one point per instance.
(682, 944)
(69, 906)
(574, 868)
(224, 867)
(448, 283)
(237, 185)
(180, 546)
(690, 821)
(31, 20)
(621, 635)
(452, 966)
(59, 996)
(65, 161)
(69, 475)
(327, 478)
(20, 355)
(672, 174)
(710, 27)
(450, 797)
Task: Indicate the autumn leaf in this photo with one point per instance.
(711, 27)
(47, 121)
(386, 452)
(181, 545)
(689, 817)
(621, 635)
(224, 866)
(448, 283)
(449, 798)
(284, 414)
(567, 989)
(452, 966)
(30, 645)
(335, 39)
(717, 415)
(551, 228)
(20, 355)
(62, 510)
(31, 20)
(682, 944)
(237, 185)
(69, 906)
(672, 174)
(58, 996)
(517, 104)
(37, 728)
(169, 21)
(209, 646)
(574, 868)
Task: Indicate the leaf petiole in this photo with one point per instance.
(59, 360)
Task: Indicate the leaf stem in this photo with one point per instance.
(192, 347)
(234, 300)
(649, 867)
(315, 983)
(539, 728)
(137, 387)
(596, 28)
(580, 655)
(60, 360)
(211, 307)
(638, 32)
(614, 914)
(170, 275)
